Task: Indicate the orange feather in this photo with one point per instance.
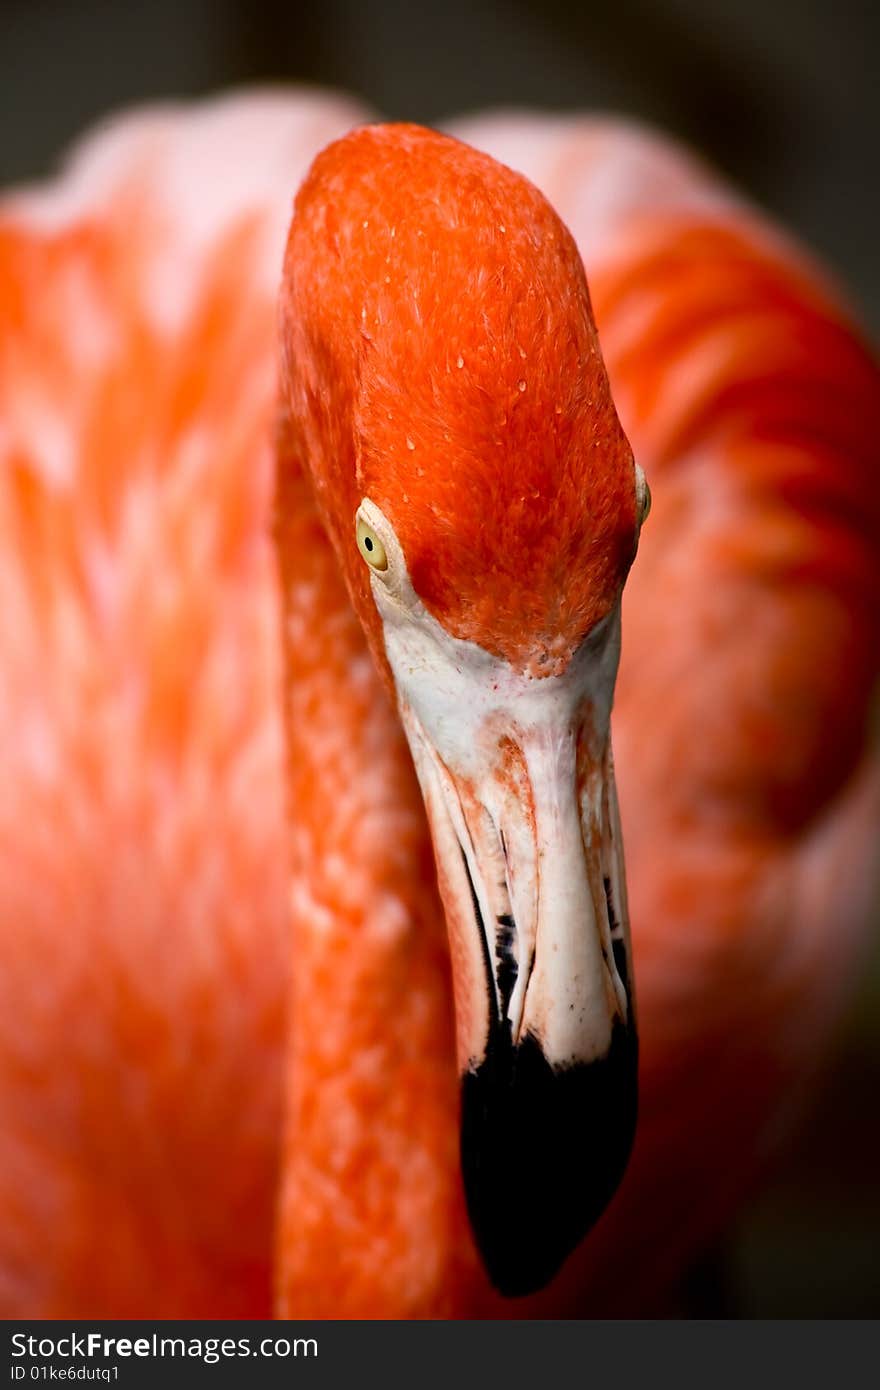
(198, 1121)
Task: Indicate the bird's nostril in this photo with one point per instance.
(618, 942)
(507, 966)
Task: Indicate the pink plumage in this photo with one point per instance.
(145, 894)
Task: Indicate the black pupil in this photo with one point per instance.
(368, 543)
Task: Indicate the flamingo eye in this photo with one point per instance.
(371, 546)
(643, 496)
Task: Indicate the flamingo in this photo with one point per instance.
(317, 988)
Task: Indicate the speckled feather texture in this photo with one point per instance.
(198, 1118)
(398, 228)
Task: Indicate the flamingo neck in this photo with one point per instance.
(371, 1219)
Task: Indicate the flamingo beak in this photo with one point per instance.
(519, 789)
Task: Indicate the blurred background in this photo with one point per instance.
(783, 96)
(780, 94)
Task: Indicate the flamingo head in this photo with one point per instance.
(446, 389)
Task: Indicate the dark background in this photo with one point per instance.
(780, 94)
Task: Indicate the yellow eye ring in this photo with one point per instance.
(643, 496)
(371, 546)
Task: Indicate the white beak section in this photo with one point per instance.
(518, 783)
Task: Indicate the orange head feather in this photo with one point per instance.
(441, 358)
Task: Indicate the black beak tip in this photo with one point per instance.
(543, 1151)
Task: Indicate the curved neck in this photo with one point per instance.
(371, 1219)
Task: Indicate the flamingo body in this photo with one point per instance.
(169, 1064)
